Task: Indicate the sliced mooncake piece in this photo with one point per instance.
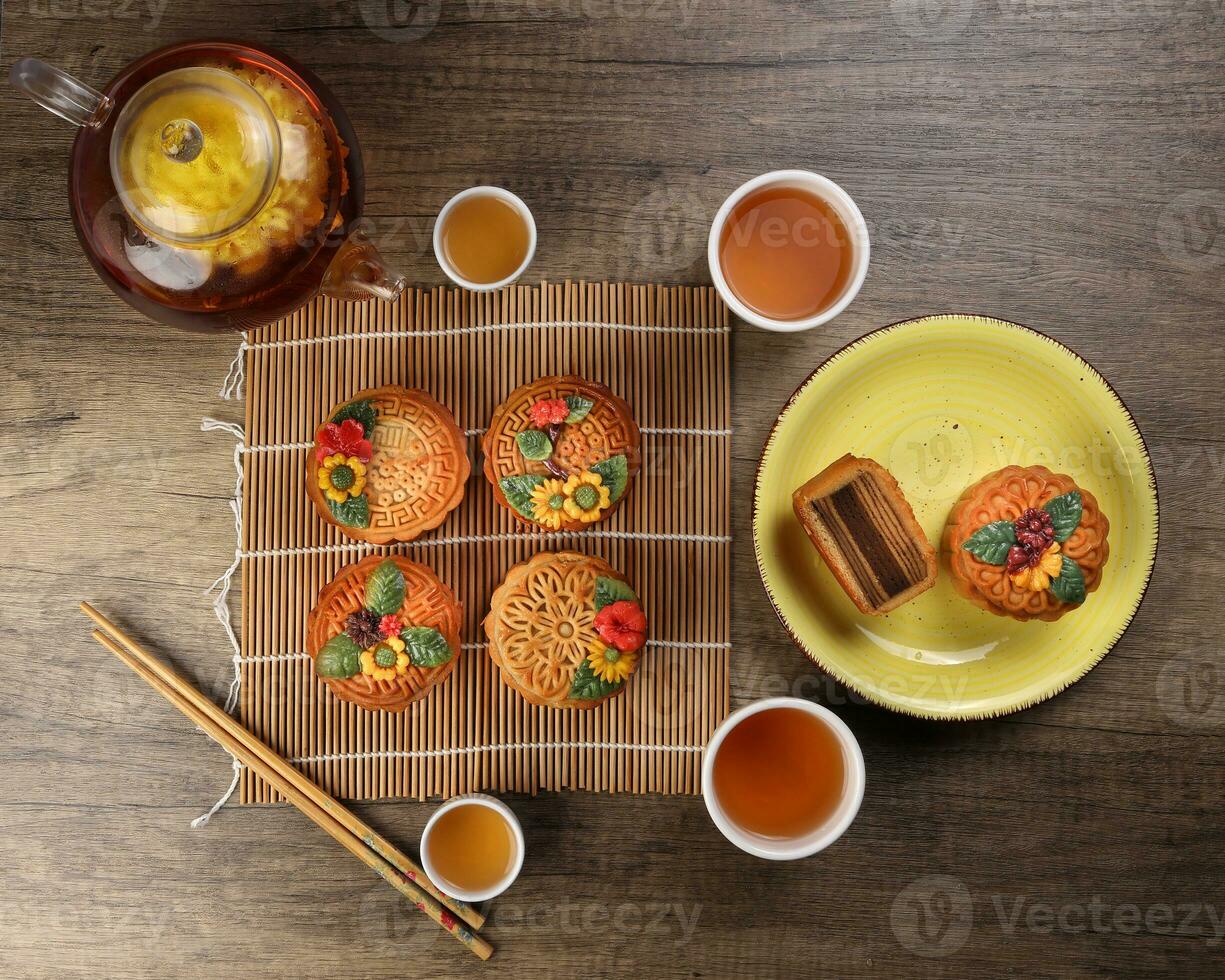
(859, 520)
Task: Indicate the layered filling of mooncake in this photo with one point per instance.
(872, 539)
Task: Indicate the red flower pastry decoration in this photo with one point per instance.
(349, 438)
(389, 626)
(622, 625)
(552, 411)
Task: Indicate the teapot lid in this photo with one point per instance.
(195, 154)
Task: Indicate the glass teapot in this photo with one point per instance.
(215, 185)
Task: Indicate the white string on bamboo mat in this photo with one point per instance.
(272, 658)
(475, 749)
(364, 547)
(282, 447)
(221, 602)
(232, 388)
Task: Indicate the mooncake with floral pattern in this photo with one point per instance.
(389, 464)
(561, 452)
(384, 633)
(1027, 543)
(566, 630)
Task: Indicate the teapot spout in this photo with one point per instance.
(358, 272)
(59, 92)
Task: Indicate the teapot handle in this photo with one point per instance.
(60, 93)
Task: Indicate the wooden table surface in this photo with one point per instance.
(1061, 164)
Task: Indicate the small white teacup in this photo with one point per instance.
(516, 830)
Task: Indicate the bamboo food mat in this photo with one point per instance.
(666, 351)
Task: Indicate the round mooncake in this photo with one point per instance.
(389, 464)
(561, 452)
(566, 630)
(1027, 543)
(384, 632)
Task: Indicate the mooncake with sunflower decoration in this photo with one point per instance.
(561, 452)
(389, 464)
(566, 630)
(384, 633)
(1027, 543)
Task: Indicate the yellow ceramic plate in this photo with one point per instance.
(942, 401)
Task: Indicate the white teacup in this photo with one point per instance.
(484, 190)
(516, 831)
(846, 209)
(819, 837)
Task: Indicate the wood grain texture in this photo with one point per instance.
(1061, 165)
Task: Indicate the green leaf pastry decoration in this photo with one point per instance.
(534, 444)
(385, 589)
(579, 407)
(362, 410)
(340, 657)
(1065, 514)
(615, 473)
(352, 511)
(587, 686)
(426, 646)
(990, 543)
(518, 492)
(1069, 585)
(610, 590)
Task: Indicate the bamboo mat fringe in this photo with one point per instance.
(668, 352)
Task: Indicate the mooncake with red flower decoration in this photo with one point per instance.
(566, 630)
(384, 633)
(389, 464)
(1027, 543)
(561, 452)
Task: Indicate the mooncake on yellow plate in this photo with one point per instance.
(1027, 543)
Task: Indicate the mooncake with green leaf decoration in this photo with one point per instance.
(387, 465)
(384, 633)
(561, 453)
(1027, 543)
(566, 630)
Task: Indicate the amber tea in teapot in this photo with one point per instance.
(215, 184)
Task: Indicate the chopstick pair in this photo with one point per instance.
(353, 834)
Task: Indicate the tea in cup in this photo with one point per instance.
(472, 847)
(783, 778)
(788, 250)
(484, 238)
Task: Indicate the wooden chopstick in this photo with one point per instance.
(246, 748)
(351, 821)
